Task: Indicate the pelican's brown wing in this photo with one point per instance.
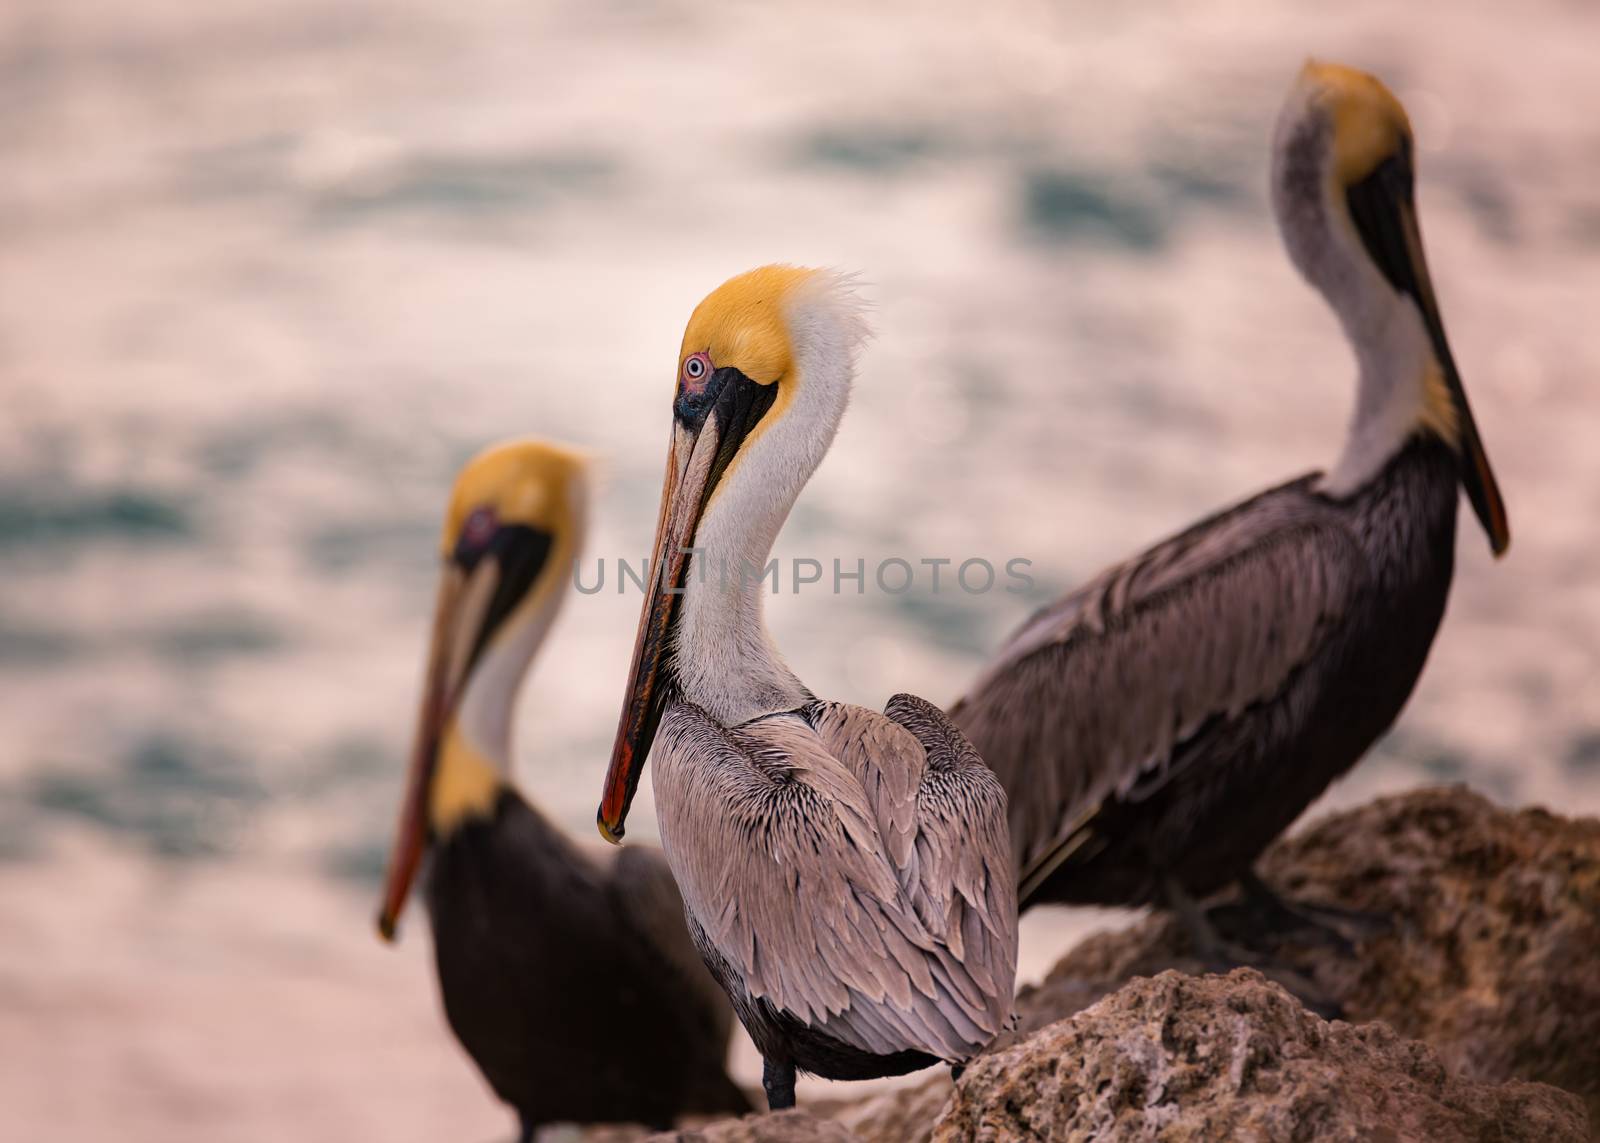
(946, 840)
(866, 895)
(647, 901)
(1097, 696)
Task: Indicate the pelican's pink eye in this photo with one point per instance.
(480, 528)
(696, 372)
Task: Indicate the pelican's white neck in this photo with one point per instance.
(1399, 391)
(724, 659)
(476, 751)
(1400, 388)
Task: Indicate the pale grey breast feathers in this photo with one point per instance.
(1091, 697)
(853, 869)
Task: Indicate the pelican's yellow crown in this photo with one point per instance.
(531, 482)
(742, 323)
(1369, 123)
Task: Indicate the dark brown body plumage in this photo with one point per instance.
(571, 982)
(1172, 718)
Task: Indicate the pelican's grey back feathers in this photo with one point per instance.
(850, 871)
(1173, 716)
(1091, 696)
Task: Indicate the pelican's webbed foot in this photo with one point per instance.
(1219, 955)
(1216, 953)
(778, 1080)
(1265, 911)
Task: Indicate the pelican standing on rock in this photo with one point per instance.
(1158, 728)
(847, 874)
(543, 949)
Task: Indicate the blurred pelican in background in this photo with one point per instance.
(1156, 729)
(847, 874)
(544, 950)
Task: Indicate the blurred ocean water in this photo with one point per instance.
(269, 273)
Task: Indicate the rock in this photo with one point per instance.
(904, 1115)
(1493, 959)
(1182, 1058)
(612, 1133)
(1492, 965)
(794, 1126)
(1497, 964)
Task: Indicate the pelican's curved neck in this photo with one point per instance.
(465, 785)
(475, 751)
(724, 660)
(1400, 389)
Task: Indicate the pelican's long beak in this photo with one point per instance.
(478, 591)
(691, 465)
(1383, 207)
(707, 432)
(438, 698)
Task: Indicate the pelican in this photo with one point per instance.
(1157, 728)
(846, 874)
(543, 949)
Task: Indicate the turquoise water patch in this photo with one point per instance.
(1583, 752)
(1201, 184)
(354, 761)
(871, 149)
(238, 450)
(375, 769)
(461, 185)
(179, 798)
(363, 863)
(352, 544)
(1436, 762)
(19, 841)
(948, 619)
(238, 168)
(29, 518)
(200, 640)
(24, 644)
(1070, 206)
(1486, 197)
(1444, 766)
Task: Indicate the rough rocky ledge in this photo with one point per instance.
(1236, 1057)
(1495, 957)
(1476, 1018)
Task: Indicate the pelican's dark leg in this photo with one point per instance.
(1327, 924)
(529, 1130)
(778, 1080)
(1219, 955)
(1214, 952)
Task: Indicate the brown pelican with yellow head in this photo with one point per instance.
(543, 948)
(846, 874)
(1156, 729)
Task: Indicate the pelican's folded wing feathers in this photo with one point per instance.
(816, 871)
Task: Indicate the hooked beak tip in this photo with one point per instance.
(612, 834)
(386, 927)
